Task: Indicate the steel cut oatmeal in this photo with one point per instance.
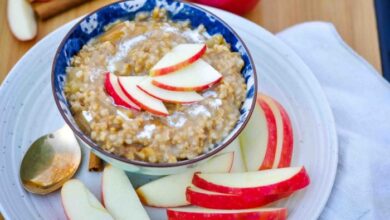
(132, 48)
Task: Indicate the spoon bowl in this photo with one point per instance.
(50, 161)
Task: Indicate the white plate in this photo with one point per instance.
(27, 110)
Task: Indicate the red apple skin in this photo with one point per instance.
(117, 99)
(229, 201)
(296, 182)
(255, 215)
(139, 103)
(288, 138)
(235, 6)
(170, 69)
(286, 131)
(197, 89)
(144, 201)
(164, 100)
(272, 136)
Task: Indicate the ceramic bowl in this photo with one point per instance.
(93, 24)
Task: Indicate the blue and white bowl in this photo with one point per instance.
(93, 24)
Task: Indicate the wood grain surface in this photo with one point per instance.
(354, 19)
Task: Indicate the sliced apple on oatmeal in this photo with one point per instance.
(196, 77)
(167, 95)
(112, 87)
(145, 101)
(179, 57)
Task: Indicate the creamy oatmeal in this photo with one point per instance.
(132, 48)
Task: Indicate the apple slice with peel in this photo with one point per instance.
(214, 214)
(170, 191)
(167, 95)
(180, 56)
(260, 183)
(258, 139)
(215, 200)
(112, 87)
(139, 97)
(285, 141)
(119, 197)
(196, 77)
(238, 164)
(80, 204)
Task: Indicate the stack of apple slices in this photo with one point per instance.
(267, 140)
(118, 197)
(239, 195)
(170, 191)
(176, 78)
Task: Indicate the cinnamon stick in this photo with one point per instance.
(45, 10)
(95, 163)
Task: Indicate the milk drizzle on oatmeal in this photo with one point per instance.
(123, 49)
(132, 49)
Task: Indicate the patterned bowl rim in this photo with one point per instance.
(208, 154)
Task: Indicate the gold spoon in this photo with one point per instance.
(50, 161)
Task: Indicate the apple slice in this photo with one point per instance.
(119, 197)
(260, 183)
(167, 95)
(238, 164)
(258, 139)
(169, 191)
(145, 101)
(196, 77)
(114, 90)
(215, 200)
(179, 57)
(80, 204)
(213, 214)
(21, 19)
(285, 141)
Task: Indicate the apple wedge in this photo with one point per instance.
(179, 57)
(258, 139)
(169, 191)
(119, 197)
(214, 214)
(196, 77)
(145, 101)
(80, 204)
(285, 141)
(238, 164)
(21, 19)
(215, 200)
(112, 87)
(167, 95)
(260, 183)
